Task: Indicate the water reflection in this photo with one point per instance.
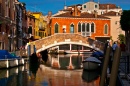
(67, 61)
(13, 76)
(90, 76)
(33, 65)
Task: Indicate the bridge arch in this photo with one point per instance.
(65, 38)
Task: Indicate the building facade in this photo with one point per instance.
(40, 25)
(109, 10)
(115, 24)
(7, 25)
(89, 25)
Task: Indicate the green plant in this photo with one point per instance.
(121, 37)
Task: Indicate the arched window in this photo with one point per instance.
(71, 28)
(79, 27)
(87, 27)
(106, 29)
(92, 27)
(30, 30)
(83, 27)
(56, 28)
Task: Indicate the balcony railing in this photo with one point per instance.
(86, 34)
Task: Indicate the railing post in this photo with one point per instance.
(34, 47)
(105, 66)
(115, 66)
(128, 64)
(29, 49)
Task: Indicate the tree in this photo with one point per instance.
(121, 37)
(125, 20)
(125, 25)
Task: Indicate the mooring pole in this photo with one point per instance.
(115, 66)
(105, 66)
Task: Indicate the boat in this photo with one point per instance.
(78, 52)
(4, 63)
(91, 63)
(21, 61)
(8, 60)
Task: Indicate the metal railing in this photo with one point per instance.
(125, 65)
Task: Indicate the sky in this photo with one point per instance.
(54, 6)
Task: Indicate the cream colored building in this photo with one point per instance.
(115, 24)
(91, 6)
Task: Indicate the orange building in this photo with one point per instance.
(88, 25)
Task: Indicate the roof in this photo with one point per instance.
(83, 15)
(111, 13)
(105, 6)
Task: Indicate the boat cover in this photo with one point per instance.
(97, 54)
(4, 54)
(92, 59)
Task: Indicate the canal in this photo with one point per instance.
(57, 70)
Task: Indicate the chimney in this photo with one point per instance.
(95, 14)
(76, 11)
(107, 8)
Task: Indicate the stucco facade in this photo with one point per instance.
(40, 25)
(71, 24)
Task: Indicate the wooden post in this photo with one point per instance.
(105, 66)
(115, 66)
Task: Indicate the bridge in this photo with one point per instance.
(65, 38)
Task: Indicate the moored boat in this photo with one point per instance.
(91, 63)
(20, 61)
(13, 62)
(4, 63)
(7, 60)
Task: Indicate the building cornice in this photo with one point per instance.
(79, 18)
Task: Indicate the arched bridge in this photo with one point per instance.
(65, 38)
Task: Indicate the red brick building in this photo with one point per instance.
(89, 25)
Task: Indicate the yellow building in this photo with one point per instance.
(40, 25)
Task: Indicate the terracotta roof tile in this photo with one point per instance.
(111, 13)
(83, 15)
(104, 6)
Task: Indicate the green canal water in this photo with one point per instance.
(57, 70)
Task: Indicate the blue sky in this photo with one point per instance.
(54, 5)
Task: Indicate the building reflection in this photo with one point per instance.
(67, 61)
(54, 77)
(16, 76)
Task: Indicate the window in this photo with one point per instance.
(56, 28)
(106, 29)
(71, 28)
(96, 6)
(30, 30)
(87, 27)
(83, 27)
(45, 34)
(84, 6)
(92, 27)
(79, 27)
(36, 33)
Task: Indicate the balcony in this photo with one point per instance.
(86, 34)
(42, 28)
